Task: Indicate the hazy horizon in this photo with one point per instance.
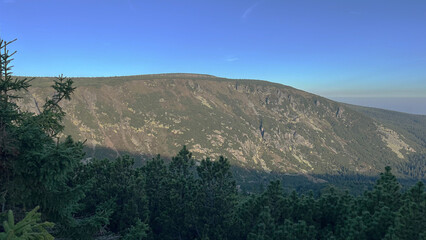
(413, 105)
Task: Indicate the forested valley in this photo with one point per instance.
(49, 190)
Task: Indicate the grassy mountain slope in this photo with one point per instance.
(256, 124)
(409, 124)
(413, 127)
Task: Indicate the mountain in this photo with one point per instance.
(257, 125)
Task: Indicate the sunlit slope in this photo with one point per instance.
(255, 124)
(409, 124)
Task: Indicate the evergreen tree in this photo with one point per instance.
(37, 168)
(140, 231)
(245, 217)
(10, 119)
(353, 229)
(29, 228)
(157, 193)
(304, 209)
(410, 222)
(378, 207)
(274, 198)
(295, 230)
(386, 192)
(216, 197)
(182, 192)
(333, 209)
(117, 189)
(264, 228)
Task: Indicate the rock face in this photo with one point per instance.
(255, 124)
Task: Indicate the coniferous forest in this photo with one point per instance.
(48, 190)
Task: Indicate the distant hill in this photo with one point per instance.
(258, 125)
(409, 124)
(411, 105)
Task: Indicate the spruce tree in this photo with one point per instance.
(182, 192)
(264, 228)
(378, 208)
(216, 197)
(274, 198)
(295, 230)
(10, 118)
(157, 193)
(29, 228)
(410, 222)
(37, 163)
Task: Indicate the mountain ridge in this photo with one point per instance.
(255, 123)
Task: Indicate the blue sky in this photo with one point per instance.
(335, 48)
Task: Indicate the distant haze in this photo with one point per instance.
(407, 105)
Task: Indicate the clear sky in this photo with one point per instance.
(335, 48)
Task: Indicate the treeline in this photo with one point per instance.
(181, 200)
(415, 167)
(48, 189)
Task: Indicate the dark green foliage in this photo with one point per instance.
(378, 207)
(410, 222)
(264, 229)
(295, 230)
(29, 228)
(36, 168)
(216, 197)
(10, 119)
(42, 174)
(52, 115)
(156, 190)
(139, 231)
(182, 189)
(381, 213)
(415, 167)
(353, 229)
(115, 193)
(149, 202)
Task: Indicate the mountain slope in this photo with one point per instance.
(255, 124)
(409, 124)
